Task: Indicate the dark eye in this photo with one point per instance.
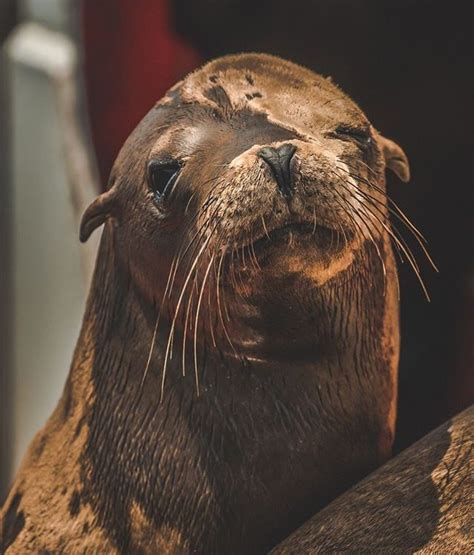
(361, 136)
(162, 176)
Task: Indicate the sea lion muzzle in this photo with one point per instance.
(279, 160)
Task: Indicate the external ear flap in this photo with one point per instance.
(395, 158)
(97, 213)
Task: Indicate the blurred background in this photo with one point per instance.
(77, 76)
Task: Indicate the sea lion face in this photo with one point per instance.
(252, 163)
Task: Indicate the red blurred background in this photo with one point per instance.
(132, 56)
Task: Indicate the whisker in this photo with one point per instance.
(155, 330)
(196, 371)
(396, 237)
(407, 253)
(373, 241)
(219, 306)
(256, 264)
(186, 321)
(184, 250)
(210, 312)
(314, 221)
(173, 323)
(264, 226)
(397, 212)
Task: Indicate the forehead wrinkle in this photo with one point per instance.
(282, 109)
(293, 99)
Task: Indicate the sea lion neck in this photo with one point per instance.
(287, 346)
(120, 319)
(237, 426)
(271, 330)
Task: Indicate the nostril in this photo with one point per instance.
(269, 154)
(286, 151)
(279, 160)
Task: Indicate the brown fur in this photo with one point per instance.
(419, 502)
(296, 380)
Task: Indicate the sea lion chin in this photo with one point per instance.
(236, 368)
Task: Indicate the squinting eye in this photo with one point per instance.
(162, 177)
(361, 136)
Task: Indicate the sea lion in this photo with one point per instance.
(236, 367)
(419, 502)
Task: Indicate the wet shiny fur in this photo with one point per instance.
(236, 367)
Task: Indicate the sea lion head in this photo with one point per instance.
(253, 172)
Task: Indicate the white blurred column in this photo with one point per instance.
(52, 179)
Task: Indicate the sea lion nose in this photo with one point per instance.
(279, 161)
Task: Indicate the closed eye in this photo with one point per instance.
(360, 136)
(162, 176)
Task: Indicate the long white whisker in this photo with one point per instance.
(198, 308)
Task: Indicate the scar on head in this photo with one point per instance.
(250, 96)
